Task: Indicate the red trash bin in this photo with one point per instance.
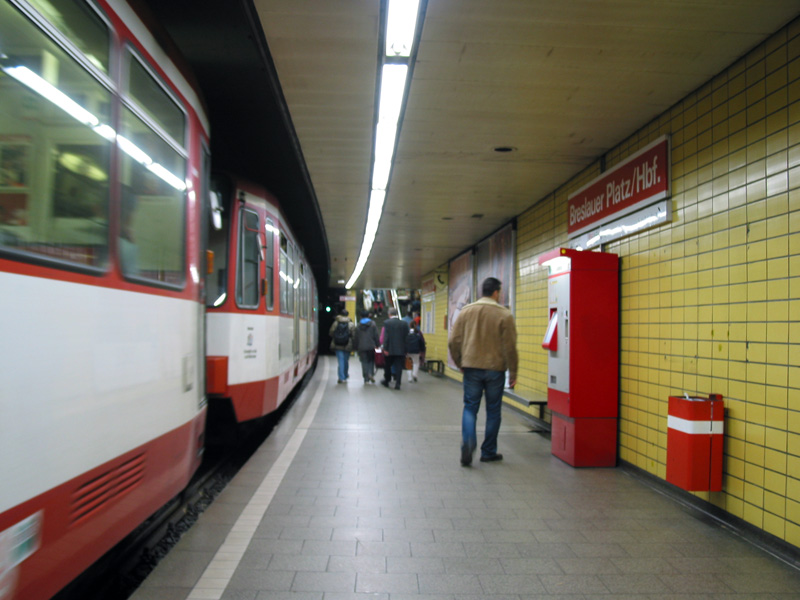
(695, 428)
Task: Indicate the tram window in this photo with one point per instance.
(149, 96)
(302, 299)
(247, 292)
(54, 150)
(290, 272)
(152, 238)
(216, 281)
(81, 26)
(284, 275)
(270, 264)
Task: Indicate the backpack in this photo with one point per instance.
(413, 342)
(341, 335)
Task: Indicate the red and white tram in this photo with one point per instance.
(107, 244)
(262, 327)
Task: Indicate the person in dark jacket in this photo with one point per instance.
(366, 340)
(415, 346)
(341, 333)
(393, 340)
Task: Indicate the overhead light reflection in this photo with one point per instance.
(48, 91)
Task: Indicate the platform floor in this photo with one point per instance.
(359, 494)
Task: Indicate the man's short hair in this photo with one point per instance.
(392, 311)
(490, 286)
(344, 313)
(365, 314)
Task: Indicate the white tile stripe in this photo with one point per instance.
(218, 573)
(699, 427)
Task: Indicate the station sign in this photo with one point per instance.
(637, 182)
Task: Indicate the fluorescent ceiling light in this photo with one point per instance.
(400, 27)
(376, 200)
(402, 23)
(393, 84)
(384, 151)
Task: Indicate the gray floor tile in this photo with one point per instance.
(449, 584)
(573, 584)
(472, 565)
(384, 548)
(284, 596)
(393, 583)
(511, 584)
(261, 579)
(405, 564)
(635, 583)
(337, 548)
(324, 582)
(289, 562)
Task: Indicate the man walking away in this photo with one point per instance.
(415, 346)
(341, 333)
(483, 344)
(366, 340)
(393, 340)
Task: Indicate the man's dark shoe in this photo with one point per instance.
(492, 457)
(397, 386)
(466, 456)
(384, 383)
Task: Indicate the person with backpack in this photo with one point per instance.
(366, 341)
(415, 346)
(341, 333)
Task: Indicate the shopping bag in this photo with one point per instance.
(409, 363)
(380, 360)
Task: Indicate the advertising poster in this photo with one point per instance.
(495, 258)
(459, 292)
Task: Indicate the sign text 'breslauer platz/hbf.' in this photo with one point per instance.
(640, 180)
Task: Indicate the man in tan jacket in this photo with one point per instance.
(483, 344)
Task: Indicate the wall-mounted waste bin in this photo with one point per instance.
(694, 442)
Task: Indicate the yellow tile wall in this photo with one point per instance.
(711, 301)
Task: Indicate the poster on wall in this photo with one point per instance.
(495, 258)
(428, 306)
(459, 292)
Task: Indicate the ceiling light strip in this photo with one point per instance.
(400, 27)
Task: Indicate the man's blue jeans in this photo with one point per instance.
(476, 382)
(344, 364)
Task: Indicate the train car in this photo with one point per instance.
(261, 302)
(109, 235)
(102, 362)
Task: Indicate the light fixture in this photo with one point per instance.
(400, 27)
(400, 31)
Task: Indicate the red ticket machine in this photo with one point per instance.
(582, 340)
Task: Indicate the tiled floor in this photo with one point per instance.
(363, 497)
